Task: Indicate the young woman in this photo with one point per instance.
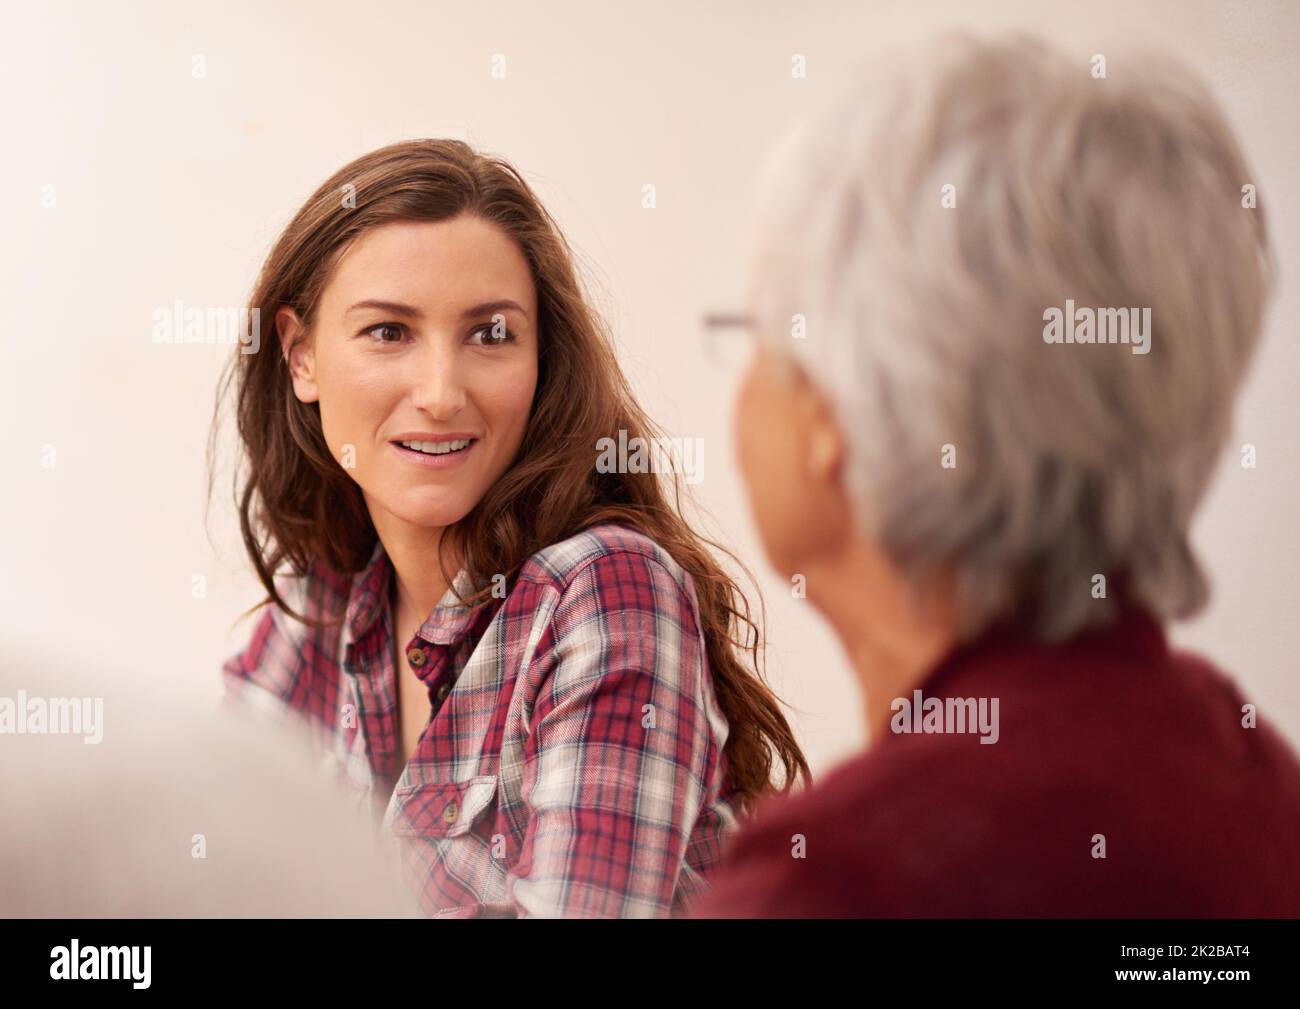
(529, 664)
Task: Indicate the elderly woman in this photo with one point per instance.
(1005, 308)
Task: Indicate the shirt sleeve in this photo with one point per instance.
(269, 677)
(246, 677)
(620, 745)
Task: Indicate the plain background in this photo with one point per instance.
(169, 187)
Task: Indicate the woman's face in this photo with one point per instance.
(423, 358)
(790, 452)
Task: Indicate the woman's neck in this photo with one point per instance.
(891, 640)
(418, 584)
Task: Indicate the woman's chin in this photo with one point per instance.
(416, 509)
(433, 518)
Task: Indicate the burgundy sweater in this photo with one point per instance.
(1111, 734)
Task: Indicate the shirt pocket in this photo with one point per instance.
(442, 810)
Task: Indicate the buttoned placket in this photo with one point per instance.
(372, 672)
(433, 663)
(431, 657)
(417, 654)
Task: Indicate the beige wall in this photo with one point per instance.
(169, 187)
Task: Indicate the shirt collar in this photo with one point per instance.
(449, 621)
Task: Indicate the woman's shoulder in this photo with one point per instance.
(612, 556)
(563, 561)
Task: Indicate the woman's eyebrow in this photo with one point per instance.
(494, 306)
(398, 308)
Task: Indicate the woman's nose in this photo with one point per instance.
(438, 387)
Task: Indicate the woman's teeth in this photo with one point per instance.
(434, 447)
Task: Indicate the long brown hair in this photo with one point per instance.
(298, 505)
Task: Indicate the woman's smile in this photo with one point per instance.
(435, 451)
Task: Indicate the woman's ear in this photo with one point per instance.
(297, 350)
(826, 450)
(825, 440)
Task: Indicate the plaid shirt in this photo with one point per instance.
(573, 762)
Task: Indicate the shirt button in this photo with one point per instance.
(443, 691)
(415, 656)
(451, 812)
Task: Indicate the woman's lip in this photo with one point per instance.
(444, 461)
(435, 438)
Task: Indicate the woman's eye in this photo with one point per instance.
(376, 333)
(493, 335)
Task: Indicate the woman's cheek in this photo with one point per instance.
(352, 395)
(508, 404)
(747, 422)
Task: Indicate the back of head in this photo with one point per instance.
(931, 226)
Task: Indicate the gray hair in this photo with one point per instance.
(925, 322)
